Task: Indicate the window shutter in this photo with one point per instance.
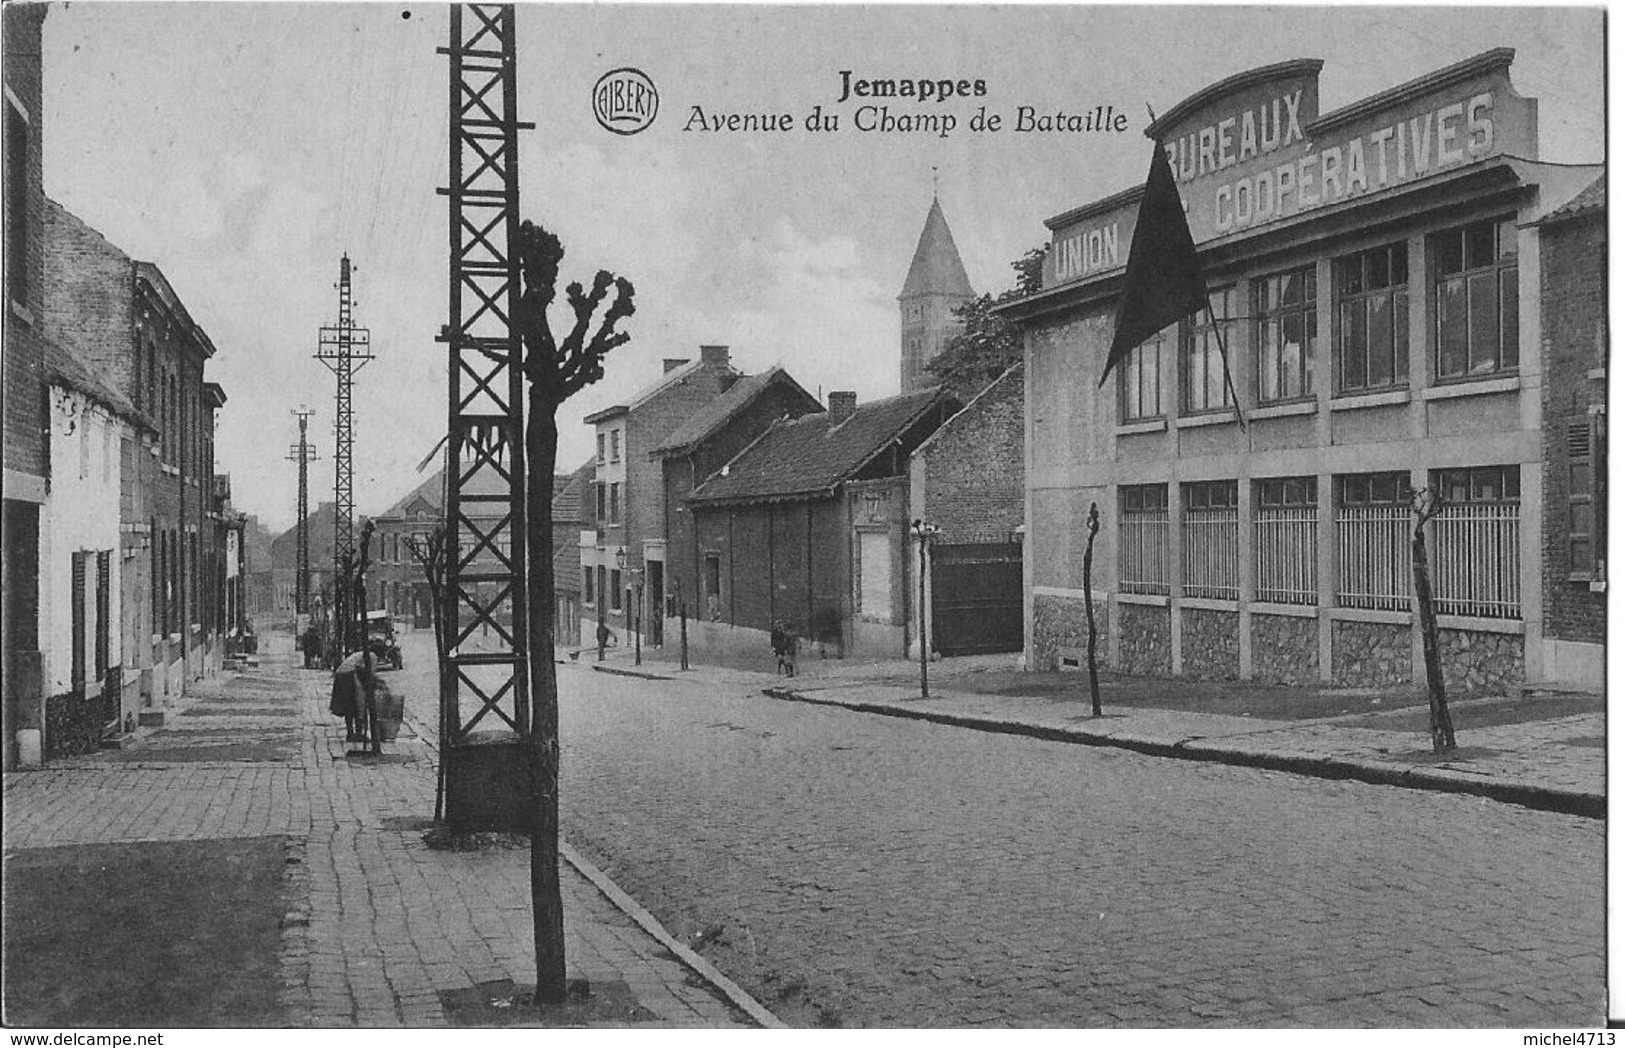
(1599, 499)
(1581, 476)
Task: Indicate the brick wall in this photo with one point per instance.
(779, 562)
(974, 476)
(643, 499)
(1573, 343)
(683, 473)
(90, 306)
(24, 353)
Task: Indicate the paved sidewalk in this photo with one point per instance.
(1554, 763)
(380, 930)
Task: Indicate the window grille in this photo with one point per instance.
(1209, 537)
(1374, 541)
(1286, 548)
(1142, 539)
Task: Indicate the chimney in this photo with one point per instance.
(714, 356)
(842, 403)
(670, 364)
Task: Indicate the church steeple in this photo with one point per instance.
(935, 285)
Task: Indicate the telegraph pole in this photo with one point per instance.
(303, 453)
(345, 349)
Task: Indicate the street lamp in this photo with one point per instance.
(923, 534)
(636, 575)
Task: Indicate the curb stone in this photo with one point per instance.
(599, 667)
(1567, 802)
(646, 920)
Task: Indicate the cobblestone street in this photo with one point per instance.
(860, 870)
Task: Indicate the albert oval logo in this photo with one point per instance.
(625, 101)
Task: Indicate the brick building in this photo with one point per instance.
(694, 451)
(396, 581)
(967, 480)
(124, 319)
(1574, 360)
(808, 526)
(21, 660)
(1378, 283)
(569, 518)
(628, 536)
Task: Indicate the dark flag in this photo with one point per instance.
(1164, 281)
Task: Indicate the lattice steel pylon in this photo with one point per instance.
(487, 686)
(304, 453)
(345, 349)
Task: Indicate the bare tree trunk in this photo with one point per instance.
(1439, 725)
(547, 906)
(1089, 607)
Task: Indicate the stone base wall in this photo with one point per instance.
(1480, 663)
(1210, 644)
(1370, 654)
(1286, 649)
(1062, 622)
(1145, 643)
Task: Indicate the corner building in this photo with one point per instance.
(1381, 277)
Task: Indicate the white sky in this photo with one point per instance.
(242, 147)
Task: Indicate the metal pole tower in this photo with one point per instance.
(345, 349)
(488, 678)
(303, 453)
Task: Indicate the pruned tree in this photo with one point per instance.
(989, 344)
(555, 369)
(429, 551)
(1426, 504)
(1089, 606)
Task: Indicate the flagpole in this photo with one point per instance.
(1224, 358)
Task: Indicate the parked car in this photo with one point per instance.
(381, 639)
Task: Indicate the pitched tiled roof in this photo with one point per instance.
(1593, 197)
(713, 415)
(808, 456)
(567, 503)
(936, 266)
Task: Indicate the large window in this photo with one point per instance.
(1373, 319)
(1284, 326)
(1475, 552)
(615, 502)
(600, 448)
(1475, 271)
(1142, 544)
(1141, 377)
(1210, 540)
(603, 501)
(1374, 541)
(615, 445)
(1202, 359)
(587, 594)
(1285, 547)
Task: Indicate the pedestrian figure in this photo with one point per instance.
(353, 682)
(784, 648)
(311, 645)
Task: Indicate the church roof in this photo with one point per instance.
(936, 268)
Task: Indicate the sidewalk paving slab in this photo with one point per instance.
(378, 929)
